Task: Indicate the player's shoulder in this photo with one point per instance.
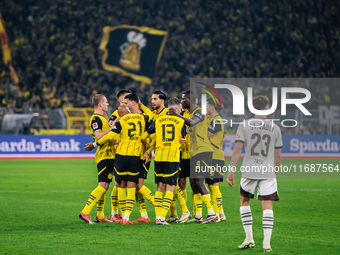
(115, 114)
(96, 117)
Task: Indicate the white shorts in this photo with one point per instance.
(266, 188)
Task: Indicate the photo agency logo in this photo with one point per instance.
(290, 96)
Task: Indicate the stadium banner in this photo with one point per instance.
(71, 146)
(299, 146)
(45, 146)
(133, 51)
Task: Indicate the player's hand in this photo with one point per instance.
(171, 111)
(114, 141)
(146, 157)
(182, 141)
(230, 179)
(89, 147)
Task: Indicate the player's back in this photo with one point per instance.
(169, 131)
(132, 127)
(216, 127)
(199, 141)
(261, 137)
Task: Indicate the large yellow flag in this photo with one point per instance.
(6, 51)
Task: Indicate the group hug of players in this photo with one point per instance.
(124, 147)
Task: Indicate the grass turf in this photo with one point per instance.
(40, 201)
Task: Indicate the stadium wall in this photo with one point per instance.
(71, 146)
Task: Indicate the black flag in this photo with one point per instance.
(133, 51)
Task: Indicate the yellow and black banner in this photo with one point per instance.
(132, 51)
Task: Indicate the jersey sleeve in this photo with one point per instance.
(239, 134)
(146, 111)
(215, 126)
(96, 124)
(117, 128)
(278, 141)
(198, 114)
(152, 128)
(147, 121)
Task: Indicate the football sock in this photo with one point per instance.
(185, 195)
(208, 204)
(130, 200)
(268, 222)
(141, 204)
(173, 210)
(214, 194)
(158, 203)
(93, 199)
(193, 203)
(100, 206)
(198, 205)
(247, 221)
(146, 192)
(114, 200)
(181, 200)
(122, 200)
(167, 200)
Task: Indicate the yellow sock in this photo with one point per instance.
(173, 210)
(214, 194)
(198, 204)
(181, 200)
(146, 192)
(141, 204)
(94, 197)
(193, 203)
(100, 206)
(114, 200)
(166, 203)
(122, 199)
(158, 203)
(130, 200)
(207, 201)
(185, 195)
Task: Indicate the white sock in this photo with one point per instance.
(247, 221)
(268, 222)
(145, 216)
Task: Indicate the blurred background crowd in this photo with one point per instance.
(55, 46)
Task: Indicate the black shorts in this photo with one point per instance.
(105, 170)
(200, 165)
(217, 174)
(127, 168)
(184, 166)
(143, 173)
(166, 172)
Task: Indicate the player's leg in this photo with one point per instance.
(267, 192)
(247, 190)
(115, 215)
(141, 203)
(130, 200)
(159, 198)
(96, 194)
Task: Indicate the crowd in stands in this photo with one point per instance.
(55, 46)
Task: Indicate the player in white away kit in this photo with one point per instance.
(263, 142)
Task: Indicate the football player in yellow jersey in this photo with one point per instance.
(104, 159)
(146, 192)
(127, 164)
(201, 156)
(215, 134)
(158, 100)
(169, 131)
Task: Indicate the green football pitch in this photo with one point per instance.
(40, 201)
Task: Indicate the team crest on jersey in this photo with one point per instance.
(95, 125)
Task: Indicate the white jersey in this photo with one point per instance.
(261, 137)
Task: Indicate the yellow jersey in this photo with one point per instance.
(186, 147)
(199, 141)
(216, 127)
(156, 115)
(106, 151)
(130, 127)
(169, 130)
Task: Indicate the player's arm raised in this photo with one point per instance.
(188, 121)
